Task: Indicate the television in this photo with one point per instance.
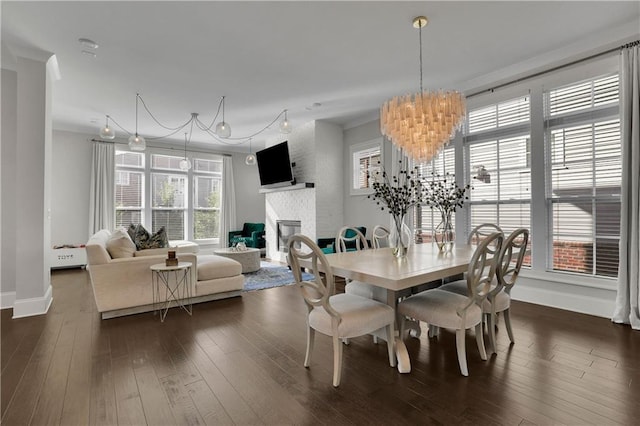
(274, 166)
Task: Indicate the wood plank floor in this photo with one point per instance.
(239, 361)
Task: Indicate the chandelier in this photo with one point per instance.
(422, 123)
(221, 132)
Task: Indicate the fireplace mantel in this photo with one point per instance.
(304, 185)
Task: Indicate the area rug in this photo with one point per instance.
(270, 275)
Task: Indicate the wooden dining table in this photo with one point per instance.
(423, 264)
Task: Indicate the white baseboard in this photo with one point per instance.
(575, 298)
(7, 299)
(34, 306)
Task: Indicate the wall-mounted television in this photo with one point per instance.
(274, 166)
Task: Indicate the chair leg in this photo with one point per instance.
(480, 341)
(311, 333)
(391, 345)
(491, 331)
(337, 361)
(462, 355)
(507, 324)
(375, 340)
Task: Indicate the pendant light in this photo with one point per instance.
(185, 164)
(250, 160)
(222, 128)
(285, 126)
(422, 124)
(107, 132)
(137, 142)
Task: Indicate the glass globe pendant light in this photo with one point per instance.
(222, 128)
(250, 159)
(137, 142)
(185, 164)
(285, 126)
(107, 132)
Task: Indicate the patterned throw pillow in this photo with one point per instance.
(144, 240)
(131, 230)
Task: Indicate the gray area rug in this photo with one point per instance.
(270, 275)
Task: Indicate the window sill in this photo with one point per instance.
(571, 279)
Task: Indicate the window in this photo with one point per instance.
(584, 168)
(498, 149)
(187, 204)
(129, 188)
(207, 181)
(426, 219)
(366, 160)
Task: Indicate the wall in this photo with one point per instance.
(8, 188)
(358, 209)
(249, 203)
(70, 179)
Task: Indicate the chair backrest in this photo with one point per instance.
(482, 231)
(511, 257)
(380, 237)
(350, 238)
(316, 292)
(482, 267)
(248, 228)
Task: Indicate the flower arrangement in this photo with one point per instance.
(408, 189)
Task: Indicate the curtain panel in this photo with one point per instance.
(102, 200)
(628, 296)
(228, 211)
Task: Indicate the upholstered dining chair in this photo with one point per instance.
(340, 316)
(380, 237)
(498, 300)
(358, 288)
(442, 308)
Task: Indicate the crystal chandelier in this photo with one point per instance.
(422, 123)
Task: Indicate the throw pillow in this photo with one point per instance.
(145, 240)
(120, 245)
(131, 230)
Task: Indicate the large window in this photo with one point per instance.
(498, 149)
(187, 204)
(583, 144)
(545, 155)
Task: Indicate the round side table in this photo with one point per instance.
(176, 282)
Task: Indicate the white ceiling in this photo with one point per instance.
(267, 56)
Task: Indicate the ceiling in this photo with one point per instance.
(182, 57)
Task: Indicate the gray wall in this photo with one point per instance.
(358, 209)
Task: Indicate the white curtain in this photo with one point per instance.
(228, 208)
(628, 297)
(101, 202)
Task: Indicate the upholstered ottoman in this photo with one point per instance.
(217, 274)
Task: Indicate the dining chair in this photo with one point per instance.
(447, 309)
(358, 288)
(498, 300)
(340, 316)
(482, 231)
(380, 237)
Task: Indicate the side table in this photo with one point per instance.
(176, 281)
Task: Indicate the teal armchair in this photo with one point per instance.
(252, 235)
(328, 245)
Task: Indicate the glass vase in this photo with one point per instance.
(399, 237)
(444, 235)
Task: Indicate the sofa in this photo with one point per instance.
(121, 277)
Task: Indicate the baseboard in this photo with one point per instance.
(34, 306)
(597, 302)
(7, 299)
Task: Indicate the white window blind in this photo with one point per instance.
(498, 148)
(366, 161)
(129, 188)
(583, 144)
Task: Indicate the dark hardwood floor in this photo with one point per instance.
(239, 361)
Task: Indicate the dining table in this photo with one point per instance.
(423, 264)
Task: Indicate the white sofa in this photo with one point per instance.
(122, 285)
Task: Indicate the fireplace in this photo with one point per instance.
(285, 229)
